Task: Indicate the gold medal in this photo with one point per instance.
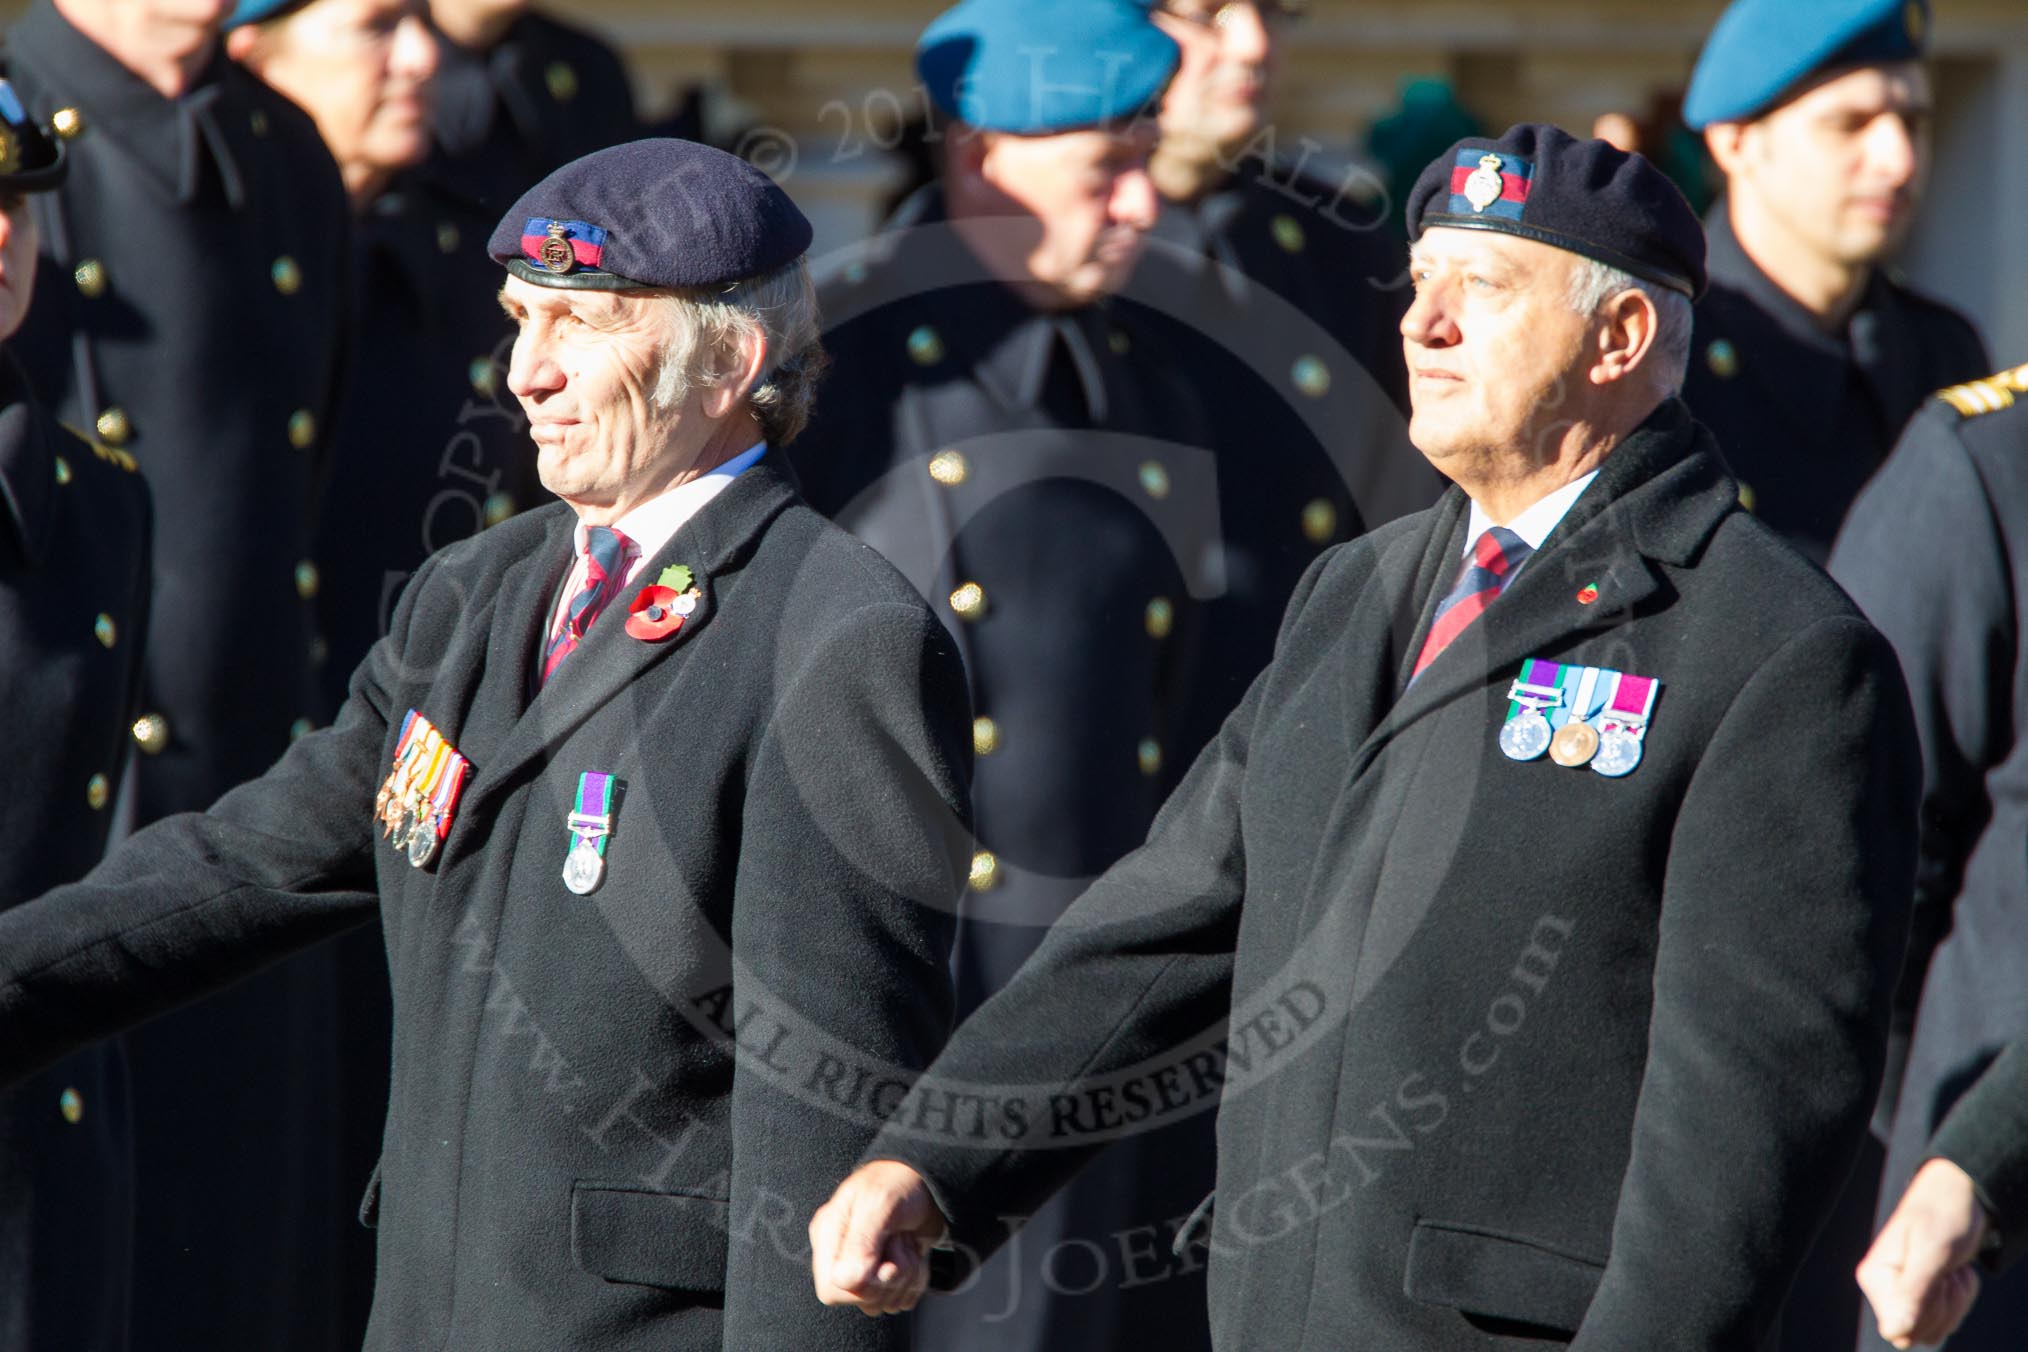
(1574, 745)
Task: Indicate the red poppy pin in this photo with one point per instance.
(659, 611)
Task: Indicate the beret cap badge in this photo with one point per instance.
(555, 253)
(1484, 185)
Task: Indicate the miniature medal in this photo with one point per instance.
(583, 868)
(1576, 742)
(1526, 734)
(591, 824)
(1626, 725)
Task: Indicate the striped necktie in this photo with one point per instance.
(1495, 556)
(605, 554)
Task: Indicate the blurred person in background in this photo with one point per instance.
(74, 525)
(191, 312)
(1031, 458)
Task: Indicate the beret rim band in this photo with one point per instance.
(42, 178)
(1556, 239)
(575, 281)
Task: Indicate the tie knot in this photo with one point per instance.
(605, 549)
(1500, 551)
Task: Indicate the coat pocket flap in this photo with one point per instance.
(669, 1240)
(1497, 1277)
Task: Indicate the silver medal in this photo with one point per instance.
(584, 867)
(1619, 751)
(1526, 737)
(422, 844)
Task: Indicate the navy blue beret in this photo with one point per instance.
(1586, 197)
(1036, 67)
(1762, 49)
(31, 160)
(659, 212)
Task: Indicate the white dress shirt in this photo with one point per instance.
(1532, 523)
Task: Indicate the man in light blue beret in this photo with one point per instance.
(1034, 459)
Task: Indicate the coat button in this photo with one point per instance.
(151, 734)
(969, 601)
(926, 346)
(949, 468)
(306, 579)
(300, 729)
(71, 1104)
(98, 792)
(1320, 521)
(1118, 341)
(1748, 498)
(68, 123)
(105, 631)
(1149, 754)
(854, 273)
(561, 77)
(985, 871)
(985, 736)
(90, 277)
(286, 275)
(1288, 233)
(498, 507)
(1723, 359)
(113, 427)
(320, 651)
(1161, 617)
(1155, 479)
(302, 429)
(258, 121)
(447, 237)
(1311, 376)
(62, 472)
(483, 374)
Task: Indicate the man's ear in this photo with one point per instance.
(738, 378)
(1628, 326)
(1726, 141)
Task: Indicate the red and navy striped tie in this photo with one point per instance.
(605, 554)
(1495, 557)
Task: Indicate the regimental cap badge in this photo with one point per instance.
(1487, 183)
(556, 254)
(562, 246)
(10, 151)
(1484, 185)
(1916, 21)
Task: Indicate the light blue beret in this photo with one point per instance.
(1761, 49)
(1037, 67)
(259, 11)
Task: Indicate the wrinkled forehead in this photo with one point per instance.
(1462, 246)
(519, 296)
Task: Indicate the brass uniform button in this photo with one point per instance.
(113, 426)
(91, 279)
(498, 507)
(1119, 343)
(1288, 233)
(985, 871)
(287, 275)
(1161, 617)
(985, 736)
(320, 651)
(258, 121)
(151, 734)
(1155, 479)
(1748, 498)
(1320, 521)
(68, 123)
(1149, 754)
(71, 1104)
(1723, 359)
(302, 429)
(1312, 377)
(447, 237)
(969, 601)
(561, 77)
(98, 792)
(300, 729)
(485, 377)
(105, 631)
(855, 273)
(306, 579)
(62, 472)
(949, 468)
(926, 346)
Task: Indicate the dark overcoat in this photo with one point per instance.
(1805, 417)
(1510, 1051)
(575, 1153)
(73, 624)
(1933, 552)
(1986, 1135)
(1043, 480)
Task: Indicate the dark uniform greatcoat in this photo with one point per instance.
(1512, 1053)
(575, 1154)
(1040, 478)
(1804, 417)
(1986, 1135)
(190, 309)
(73, 624)
(1934, 553)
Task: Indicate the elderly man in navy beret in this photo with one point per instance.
(1547, 1010)
(659, 793)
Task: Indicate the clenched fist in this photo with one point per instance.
(1918, 1275)
(869, 1245)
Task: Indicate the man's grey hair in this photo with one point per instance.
(706, 329)
(1593, 283)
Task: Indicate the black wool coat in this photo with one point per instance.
(1986, 1135)
(575, 1153)
(1510, 1051)
(73, 624)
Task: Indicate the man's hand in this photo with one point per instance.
(1918, 1274)
(869, 1245)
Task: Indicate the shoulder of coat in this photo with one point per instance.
(1975, 398)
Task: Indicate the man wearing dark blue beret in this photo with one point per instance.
(1811, 353)
(1547, 1012)
(659, 793)
(1037, 459)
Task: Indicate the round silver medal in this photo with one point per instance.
(404, 827)
(1526, 737)
(1619, 751)
(583, 868)
(422, 844)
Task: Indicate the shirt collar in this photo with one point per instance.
(1534, 523)
(655, 522)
